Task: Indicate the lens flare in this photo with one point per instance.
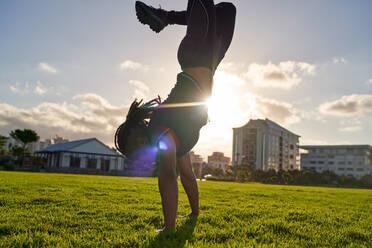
(181, 105)
(162, 145)
(143, 162)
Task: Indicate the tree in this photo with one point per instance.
(25, 136)
(2, 143)
(18, 151)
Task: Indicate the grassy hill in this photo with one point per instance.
(38, 210)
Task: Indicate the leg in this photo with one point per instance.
(197, 47)
(196, 51)
(225, 25)
(157, 19)
(225, 22)
(177, 17)
(188, 180)
(225, 14)
(167, 181)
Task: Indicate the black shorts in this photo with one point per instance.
(181, 115)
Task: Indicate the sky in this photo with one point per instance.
(71, 68)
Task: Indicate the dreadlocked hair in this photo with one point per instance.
(137, 117)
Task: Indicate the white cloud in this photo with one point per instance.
(47, 68)
(25, 88)
(92, 116)
(136, 66)
(307, 141)
(281, 112)
(348, 105)
(132, 65)
(100, 107)
(140, 85)
(40, 89)
(339, 60)
(141, 89)
(232, 67)
(284, 75)
(350, 129)
(20, 88)
(352, 126)
(311, 141)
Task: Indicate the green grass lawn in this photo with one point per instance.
(38, 210)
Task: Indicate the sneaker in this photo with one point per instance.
(155, 18)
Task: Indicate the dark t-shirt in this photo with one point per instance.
(181, 115)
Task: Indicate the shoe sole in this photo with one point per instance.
(145, 16)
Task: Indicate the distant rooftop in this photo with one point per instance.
(268, 123)
(335, 147)
(65, 146)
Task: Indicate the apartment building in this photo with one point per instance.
(349, 160)
(266, 145)
(197, 162)
(218, 160)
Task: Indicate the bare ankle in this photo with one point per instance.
(194, 214)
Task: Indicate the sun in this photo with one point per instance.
(230, 106)
(224, 106)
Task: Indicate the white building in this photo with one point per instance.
(87, 154)
(349, 160)
(197, 162)
(218, 160)
(196, 159)
(266, 145)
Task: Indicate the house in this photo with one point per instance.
(87, 155)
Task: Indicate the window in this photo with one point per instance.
(330, 162)
(291, 156)
(105, 165)
(360, 169)
(320, 162)
(341, 162)
(312, 162)
(291, 147)
(74, 162)
(341, 169)
(350, 169)
(92, 163)
(349, 162)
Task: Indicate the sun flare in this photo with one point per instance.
(228, 104)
